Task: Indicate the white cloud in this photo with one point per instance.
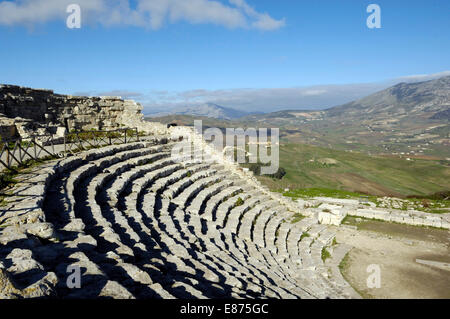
(152, 14)
(262, 20)
(313, 92)
(125, 94)
(423, 77)
(29, 12)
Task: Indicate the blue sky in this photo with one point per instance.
(281, 54)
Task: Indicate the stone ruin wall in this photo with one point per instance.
(25, 111)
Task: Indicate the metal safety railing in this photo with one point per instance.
(16, 152)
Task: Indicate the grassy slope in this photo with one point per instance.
(376, 175)
(359, 172)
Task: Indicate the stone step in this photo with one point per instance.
(175, 189)
(195, 207)
(216, 200)
(184, 198)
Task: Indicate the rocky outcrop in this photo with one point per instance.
(26, 111)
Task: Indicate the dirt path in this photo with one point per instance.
(395, 248)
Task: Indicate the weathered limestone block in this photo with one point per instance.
(337, 201)
(372, 214)
(7, 127)
(445, 224)
(41, 288)
(386, 216)
(397, 218)
(22, 261)
(412, 220)
(75, 225)
(115, 290)
(431, 221)
(23, 111)
(40, 230)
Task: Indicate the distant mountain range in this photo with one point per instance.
(407, 118)
(430, 99)
(207, 110)
(420, 100)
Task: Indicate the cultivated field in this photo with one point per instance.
(315, 167)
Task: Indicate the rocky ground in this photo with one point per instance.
(396, 249)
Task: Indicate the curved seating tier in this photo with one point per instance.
(140, 224)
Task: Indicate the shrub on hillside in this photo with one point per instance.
(256, 169)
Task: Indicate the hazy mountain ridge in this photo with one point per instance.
(426, 100)
(421, 99)
(207, 110)
(284, 114)
(406, 119)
